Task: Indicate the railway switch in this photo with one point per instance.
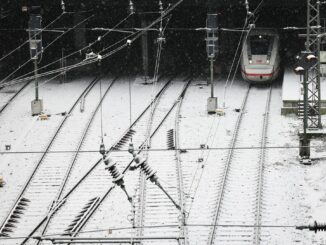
(151, 175)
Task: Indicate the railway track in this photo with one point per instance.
(45, 183)
(13, 97)
(99, 183)
(239, 201)
(154, 208)
(96, 181)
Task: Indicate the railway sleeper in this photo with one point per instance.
(79, 219)
(124, 139)
(13, 218)
(170, 139)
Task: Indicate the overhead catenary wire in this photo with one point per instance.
(183, 150)
(239, 60)
(77, 51)
(83, 63)
(233, 61)
(275, 226)
(101, 112)
(131, 11)
(174, 6)
(203, 167)
(172, 29)
(29, 60)
(249, 16)
(40, 31)
(203, 150)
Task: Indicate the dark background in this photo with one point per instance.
(184, 50)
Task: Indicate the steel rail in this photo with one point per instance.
(13, 97)
(103, 198)
(127, 167)
(83, 137)
(82, 179)
(227, 167)
(259, 172)
(183, 229)
(45, 152)
(261, 168)
(142, 176)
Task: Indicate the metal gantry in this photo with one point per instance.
(312, 120)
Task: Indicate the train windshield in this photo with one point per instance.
(260, 44)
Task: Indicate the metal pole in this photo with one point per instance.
(305, 99)
(313, 45)
(36, 80)
(212, 77)
(63, 65)
(145, 49)
(318, 66)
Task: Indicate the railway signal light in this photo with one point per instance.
(35, 36)
(212, 52)
(211, 38)
(35, 46)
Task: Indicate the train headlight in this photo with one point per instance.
(250, 61)
(267, 61)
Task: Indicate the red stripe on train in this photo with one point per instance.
(257, 75)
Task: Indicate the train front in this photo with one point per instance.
(260, 59)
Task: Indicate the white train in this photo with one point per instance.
(260, 61)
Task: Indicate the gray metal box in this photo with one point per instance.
(322, 56)
(37, 107)
(211, 105)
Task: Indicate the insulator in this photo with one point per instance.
(2, 182)
(161, 5)
(102, 149)
(315, 227)
(131, 148)
(148, 171)
(111, 166)
(63, 7)
(131, 7)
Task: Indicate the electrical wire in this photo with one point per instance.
(203, 150)
(258, 6)
(153, 227)
(77, 51)
(132, 30)
(20, 46)
(233, 61)
(182, 150)
(239, 60)
(203, 168)
(236, 52)
(24, 64)
(101, 112)
(83, 63)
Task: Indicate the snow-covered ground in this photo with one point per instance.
(293, 194)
